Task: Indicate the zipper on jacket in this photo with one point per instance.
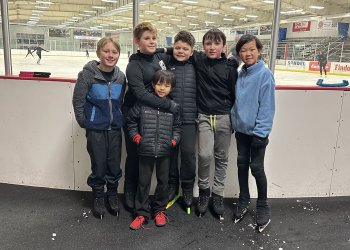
(110, 105)
(157, 130)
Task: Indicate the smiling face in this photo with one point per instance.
(108, 55)
(249, 53)
(147, 43)
(182, 51)
(213, 48)
(162, 89)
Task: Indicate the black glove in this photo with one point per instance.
(259, 141)
(174, 107)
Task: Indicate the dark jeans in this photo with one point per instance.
(146, 166)
(323, 66)
(251, 155)
(131, 164)
(104, 147)
(187, 148)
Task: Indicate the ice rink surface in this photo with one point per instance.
(69, 67)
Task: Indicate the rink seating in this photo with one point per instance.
(308, 155)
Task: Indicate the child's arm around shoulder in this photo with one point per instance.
(177, 128)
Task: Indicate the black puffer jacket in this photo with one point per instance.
(185, 90)
(156, 127)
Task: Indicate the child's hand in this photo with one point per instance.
(137, 139)
(173, 143)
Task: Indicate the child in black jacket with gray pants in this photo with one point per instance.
(156, 132)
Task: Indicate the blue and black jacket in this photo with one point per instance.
(97, 103)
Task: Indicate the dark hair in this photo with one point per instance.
(186, 37)
(247, 39)
(164, 76)
(215, 35)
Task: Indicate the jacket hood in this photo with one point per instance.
(92, 68)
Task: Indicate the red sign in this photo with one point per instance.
(315, 66)
(301, 26)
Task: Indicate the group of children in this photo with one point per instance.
(173, 95)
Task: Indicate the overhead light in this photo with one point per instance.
(36, 14)
(162, 22)
(237, 8)
(38, 11)
(190, 2)
(41, 7)
(98, 7)
(212, 12)
(192, 16)
(193, 24)
(175, 19)
(316, 7)
(251, 16)
(126, 17)
(269, 1)
(44, 2)
(109, 1)
(168, 7)
(209, 22)
(90, 11)
(117, 20)
(75, 17)
(150, 12)
(228, 19)
(84, 15)
(292, 11)
(181, 26)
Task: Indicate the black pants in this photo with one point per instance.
(323, 66)
(104, 147)
(187, 148)
(252, 156)
(146, 166)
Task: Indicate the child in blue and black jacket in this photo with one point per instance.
(97, 101)
(252, 118)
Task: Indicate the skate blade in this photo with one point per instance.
(221, 218)
(237, 220)
(188, 210)
(170, 203)
(262, 228)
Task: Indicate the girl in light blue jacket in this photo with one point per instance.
(252, 118)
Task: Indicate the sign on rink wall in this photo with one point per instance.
(341, 68)
(296, 64)
(315, 66)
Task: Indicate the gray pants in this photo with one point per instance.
(214, 139)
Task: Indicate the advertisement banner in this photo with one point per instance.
(327, 25)
(265, 29)
(296, 64)
(301, 26)
(314, 66)
(253, 31)
(341, 68)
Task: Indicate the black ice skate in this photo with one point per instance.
(187, 198)
(241, 211)
(263, 215)
(99, 207)
(203, 201)
(218, 205)
(113, 204)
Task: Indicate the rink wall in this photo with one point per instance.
(308, 155)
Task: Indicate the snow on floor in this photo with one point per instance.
(69, 67)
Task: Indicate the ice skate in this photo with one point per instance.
(187, 198)
(113, 204)
(99, 207)
(263, 216)
(203, 201)
(218, 206)
(170, 203)
(241, 211)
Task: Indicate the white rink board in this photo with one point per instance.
(38, 125)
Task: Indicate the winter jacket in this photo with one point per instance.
(156, 127)
(139, 72)
(97, 103)
(254, 108)
(185, 90)
(216, 80)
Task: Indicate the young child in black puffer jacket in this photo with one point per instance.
(156, 132)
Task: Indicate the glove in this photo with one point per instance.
(173, 143)
(174, 107)
(136, 139)
(259, 141)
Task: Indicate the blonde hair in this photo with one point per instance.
(142, 27)
(103, 41)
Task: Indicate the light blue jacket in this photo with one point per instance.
(254, 108)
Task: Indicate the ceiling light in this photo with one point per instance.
(175, 19)
(38, 11)
(212, 12)
(209, 22)
(168, 7)
(109, 1)
(84, 15)
(237, 8)
(192, 16)
(316, 7)
(98, 7)
(269, 1)
(162, 22)
(252, 16)
(44, 2)
(292, 11)
(89, 11)
(150, 12)
(228, 19)
(190, 2)
(41, 7)
(193, 24)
